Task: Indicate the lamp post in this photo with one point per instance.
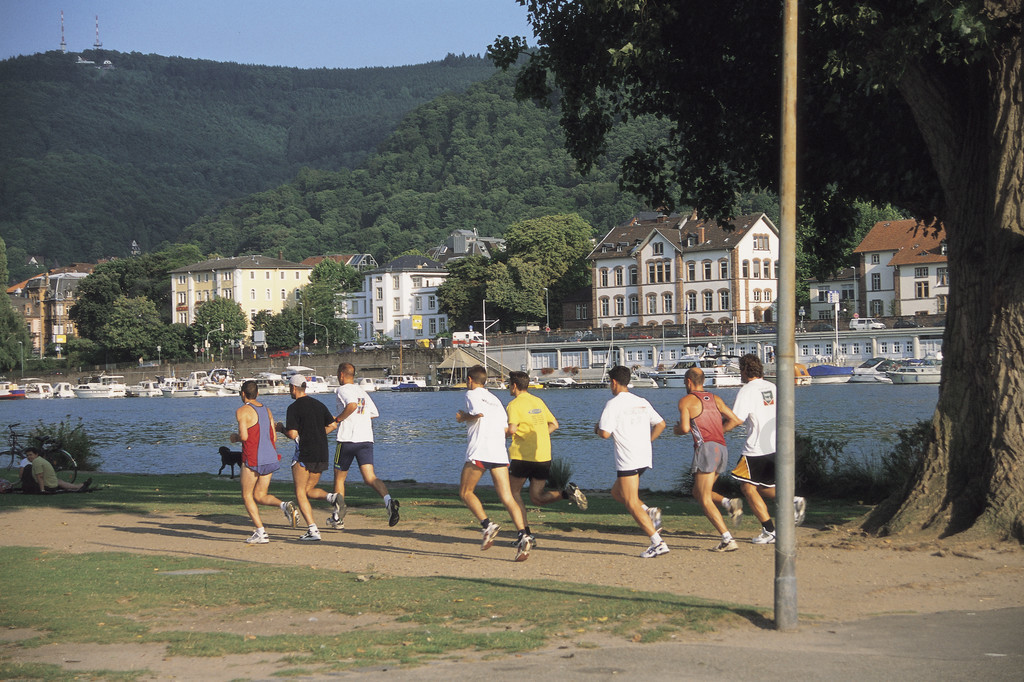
(159, 360)
(547, 311)
(327, 333)
(21, 347)
(302, 331)
(802, 313)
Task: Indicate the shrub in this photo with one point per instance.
(901, 464)
(560, 474)
(74, 439)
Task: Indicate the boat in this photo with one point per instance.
(560, 382)
(36, 389)
(317, 384)
(642, 380)
(829, 374)
(11, 391)
(63, 389)
(367, 384)
(192, 387)
(145, 389)
(222, 382)
(393, 381)
(102, 386)
(720, 371)
(916, 371)
(270, 383)
(872, 371)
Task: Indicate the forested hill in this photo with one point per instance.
(93, 158)
(477, 160)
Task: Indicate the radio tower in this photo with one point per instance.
(63, 45)
(97, 44)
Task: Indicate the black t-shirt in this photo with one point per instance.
(309, 416)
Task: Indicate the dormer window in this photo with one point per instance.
(658, 248)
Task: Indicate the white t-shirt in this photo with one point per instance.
(487, 434)
(629, 419)
(755, 407)
(355, 428)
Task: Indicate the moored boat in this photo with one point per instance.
(829, 374)
(102, 386)
(872, 371)
(145, 389)
(927, 371)
(63, 389)
(11, 391)
(36, 389)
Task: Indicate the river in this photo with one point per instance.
(418, 438)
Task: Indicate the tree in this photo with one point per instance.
(130, 329)
(220, 321)
(911, 102)
(462, 291)
(94, 299)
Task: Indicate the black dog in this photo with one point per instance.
(229, 458)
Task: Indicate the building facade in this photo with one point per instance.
(844, 283)
(45, 302)
(256, 283)
(902, 269)
(399, 300)
(672, 270)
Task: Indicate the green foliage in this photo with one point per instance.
(130, 328)
(72, 438)
(560, 473)
(462, 291)
(219, 322)
(93, 159)
(901, 465)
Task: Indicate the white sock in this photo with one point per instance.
(313, 528)
(724, 504)
(387, 500)
(726, 536)
(656, 538)
(261, 530)
(284, 506)
(331, 497)
(644, 506)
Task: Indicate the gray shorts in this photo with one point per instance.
(710, 458)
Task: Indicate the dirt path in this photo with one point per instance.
(841, 576)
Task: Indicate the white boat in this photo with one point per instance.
(102, 386)
(642, 380)
(145, 389)
(63, 389)
(719, 372)
(192, 387)
(11, 391)
(317, 384)
(367, 384)
(36, 389)
(270, 383)
(392, 382)
(829, 374)
(560, 382)
(222, 382)
(928, 371)
(872, 371)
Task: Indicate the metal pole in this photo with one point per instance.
(483, 304)
(785, 544)
(547, 311)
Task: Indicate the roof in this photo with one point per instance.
(839, 276)
(253, 261)
(351, 259)
(411, 264)
(893, 235)
(622, 239)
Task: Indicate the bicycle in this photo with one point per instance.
(63, 462)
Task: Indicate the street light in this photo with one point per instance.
(327, 333)
(802, 313)
(302, 332)
(21, 347)
(547, 311)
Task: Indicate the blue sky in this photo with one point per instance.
(303, 33)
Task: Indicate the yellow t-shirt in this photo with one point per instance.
(531, 442)
(43, 466)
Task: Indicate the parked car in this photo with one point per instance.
(369, 345)
(904, 324)
(280, 354)
(640, 335)
(822, 327)
(301, 353)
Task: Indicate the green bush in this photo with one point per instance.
(560, 474)
(901, 465)
(74, 439)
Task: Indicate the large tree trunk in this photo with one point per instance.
(972, 476)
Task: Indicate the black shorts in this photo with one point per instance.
(631, 472)
(759, 471)
(317, 467)
(535, 471)
(362, 453)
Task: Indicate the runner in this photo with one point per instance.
(632, 424)
(355, 441)
(259, 460)
(530, 425)
(485, 451)
(755, 408)
(702, 414)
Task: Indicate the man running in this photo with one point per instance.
(259, 460)
(530, 425)
(355, 441)
(755, 408)
(485, 451)
(308, 421)
(633, 425)
(702, 414)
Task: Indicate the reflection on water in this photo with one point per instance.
(418, 438)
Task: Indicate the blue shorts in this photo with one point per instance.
(264, 469)
(345, 452)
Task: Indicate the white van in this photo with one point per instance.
(468, 339)
(860, 323)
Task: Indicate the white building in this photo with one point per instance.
(670, 269)
(902, 269)
(844, 283)
(399, 300)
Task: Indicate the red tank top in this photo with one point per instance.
(707, 426)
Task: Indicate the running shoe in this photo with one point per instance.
(258, 538)
(311, 536)
(335, 523)
(655, 550)
(393, 516)
(765, 538)
(291, 514)
(655, 515)
(726, 546)
(574, 493)
(523, 548)
(735, 510)
(489, 534)
(515, 543)
(800, 506)
(86, 487)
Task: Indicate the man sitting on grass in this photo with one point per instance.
(41, 478)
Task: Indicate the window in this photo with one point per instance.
(282, 274)
(432, 323)
(252, 274)
(618, 277)
(940, 301)
(298, 294)
(707, 270)
(896, 347)
(380, 313)
(691, 271)
(723, 299)
(651, 273)
(920, 272)
(745, 272)
(268, 294)
(582, 311)
(228, 293)
(226, 276)
(723, 269)
(767, 295)
(921, 288)
(284, 295)
(634, 305)
(181, 279)
(757, 269)
(942, 277)
(252, 294)
(380, 293)
(875, 308)
(876, 281)
(883, 347)
(634, 276)
(760, 242)
(767, 269)
(709, 301)
(620, 305)
(805, 350)
(666, 303)
(652, 304)
(604, 307)
(757, 295)
(267, 274)
(604, 277)
(297, 275)
(658, 248)
(182, 318)
(691, 301)
(394, 281)
(417, 282)
(418, 302)
(181, 298)
(856, 349)
(431, 302)
(875, 259)
(396, 304)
